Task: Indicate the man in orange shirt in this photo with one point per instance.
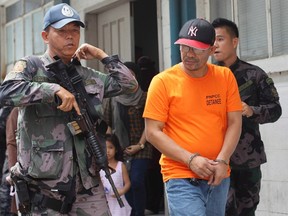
(193, 116)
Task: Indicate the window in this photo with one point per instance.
(28, 35)
(279, 25)
(19, 42)
(252, 29)
(23, 32)
(220, 8)
(262, 25)
(37, 29)
(10, 43)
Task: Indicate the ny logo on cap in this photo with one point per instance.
(192, 31)
(66, 11)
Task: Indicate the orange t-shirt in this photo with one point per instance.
(194, 111)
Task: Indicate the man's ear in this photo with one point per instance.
(212, 50)
(44, 35)
(235, 42)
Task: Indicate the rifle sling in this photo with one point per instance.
(79, 87)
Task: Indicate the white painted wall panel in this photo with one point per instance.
(274, 191)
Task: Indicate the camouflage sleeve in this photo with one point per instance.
(4, 113)
(19, 88)
(120, 80)
(269, 109)
(107, 110)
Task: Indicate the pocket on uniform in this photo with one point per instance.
(46, 159)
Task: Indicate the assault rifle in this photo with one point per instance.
(68, 77)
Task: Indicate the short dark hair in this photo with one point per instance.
(228, 24)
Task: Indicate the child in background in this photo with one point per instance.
(120, 177)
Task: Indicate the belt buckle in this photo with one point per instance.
(194, 181)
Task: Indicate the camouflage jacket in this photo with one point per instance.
(4, 113)
(48, 154)
(258, 91)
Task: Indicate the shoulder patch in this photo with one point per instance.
(19, 66)
(269, 81)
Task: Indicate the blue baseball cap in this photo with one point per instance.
(59, 15)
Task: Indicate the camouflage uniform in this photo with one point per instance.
(50, 158)
(4, 112)
(2, 142)
(258, 91)
(5, 199)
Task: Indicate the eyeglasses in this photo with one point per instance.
(187, 49)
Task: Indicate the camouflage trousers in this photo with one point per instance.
(243, 195)
(90, 202)
(5, 199)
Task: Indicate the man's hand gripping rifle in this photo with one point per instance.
(68, 77)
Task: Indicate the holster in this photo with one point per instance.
(22, 195)
(26, 199)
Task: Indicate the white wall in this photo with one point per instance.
(274, 191)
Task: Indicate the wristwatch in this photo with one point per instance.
(142, 146)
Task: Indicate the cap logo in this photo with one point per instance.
(192, 31)
(66, 11)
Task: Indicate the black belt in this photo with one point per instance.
(42, 201)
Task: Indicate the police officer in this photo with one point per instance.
(260, 104)
(57, 167)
